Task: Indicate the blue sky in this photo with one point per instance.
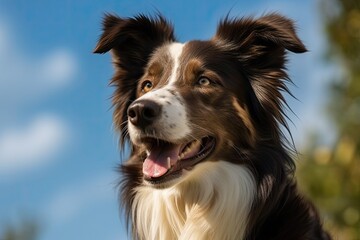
(58, 150)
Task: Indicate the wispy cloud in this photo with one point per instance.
(31, 146)
(26, 77)
(59, 66)
(3, 37)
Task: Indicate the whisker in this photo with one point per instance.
(201, 128)
(124, 122)
(243, 156)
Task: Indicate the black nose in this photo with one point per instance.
(143, 113)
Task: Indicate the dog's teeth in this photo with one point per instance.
(186, 150)
(193, 145)
(197, 143)
(190, 147)
(168, 162)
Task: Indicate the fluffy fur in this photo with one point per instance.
(192, 208)
(208, 159)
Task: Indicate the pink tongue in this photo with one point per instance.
(157, 163)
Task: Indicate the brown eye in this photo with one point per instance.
(146, 86)
(204, 81)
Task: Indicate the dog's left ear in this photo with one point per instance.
(259, 45)
(270, 30)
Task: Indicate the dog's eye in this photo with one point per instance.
(204, 81)
(146, 86)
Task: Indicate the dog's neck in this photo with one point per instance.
(212, 202)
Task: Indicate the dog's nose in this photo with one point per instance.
(143, 113)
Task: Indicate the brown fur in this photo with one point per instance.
(243, 107)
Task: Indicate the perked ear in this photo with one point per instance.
(259, 46)
(272, 29)
(260, 43)
(131, 41)
(136, 31)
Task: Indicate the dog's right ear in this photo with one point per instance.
(131, 41)
(138, 31)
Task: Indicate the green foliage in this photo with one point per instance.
(27, 230)
(343, 31)
(331, 176)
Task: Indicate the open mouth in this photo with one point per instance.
(165, 161)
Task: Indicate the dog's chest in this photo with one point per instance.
(212, 203)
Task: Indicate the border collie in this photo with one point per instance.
(204, 120)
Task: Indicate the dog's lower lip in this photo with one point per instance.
(208, 144)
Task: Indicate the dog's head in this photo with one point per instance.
(181, 103)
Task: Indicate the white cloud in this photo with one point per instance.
(59, 66)
(26, 77)
(3, 37)
(32, 146)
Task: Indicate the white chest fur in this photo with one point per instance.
(212, 202)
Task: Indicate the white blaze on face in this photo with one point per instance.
(175, 50)
(173, 124)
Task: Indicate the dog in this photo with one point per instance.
(205, 122)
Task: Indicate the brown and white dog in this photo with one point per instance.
(208, 158)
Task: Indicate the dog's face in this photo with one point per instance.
(181, 103)
(186, 108)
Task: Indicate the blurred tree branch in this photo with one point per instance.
(330, 175)
(26, 230)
